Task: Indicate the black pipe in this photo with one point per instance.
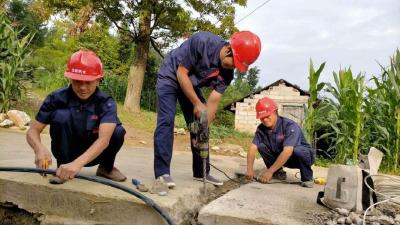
(100, 180)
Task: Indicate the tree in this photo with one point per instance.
(246, 82)
(243, 84)
(159, 24)
(252, 77)
(24, 17)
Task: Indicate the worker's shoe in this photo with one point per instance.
(114, 174)
(159, 187)
(168, 180)
(307, 184)
(56, 180)
(210, 179)
(280, 175)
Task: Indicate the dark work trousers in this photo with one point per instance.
(67, 143)
(164, 133)
(302, 158)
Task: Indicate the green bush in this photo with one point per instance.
(225, 119)
(114, 86)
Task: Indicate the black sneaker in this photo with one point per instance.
(210, 179)
(168, 180)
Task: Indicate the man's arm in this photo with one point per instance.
(187, 88)
(68, 171)
(280, 161)
(41, 152)
(251, 156)
(212, 105)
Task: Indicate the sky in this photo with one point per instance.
(341, 33)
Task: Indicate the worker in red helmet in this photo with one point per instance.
(203, 60)
(280, 142)
(84, 127)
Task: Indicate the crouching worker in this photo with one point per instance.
(84, 127)
(280, 142)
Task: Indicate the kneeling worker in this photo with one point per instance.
(280, 142)
(84, 127)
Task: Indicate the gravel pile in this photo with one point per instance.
(384, 214)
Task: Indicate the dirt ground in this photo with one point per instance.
(141, 138)
(12, 215)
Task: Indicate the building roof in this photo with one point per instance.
(276, 83)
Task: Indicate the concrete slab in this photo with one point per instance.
(83, 202)
(90, 203)
(256, 204)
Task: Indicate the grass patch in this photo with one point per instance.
(145, 120)
(323, 162)
(222, 134)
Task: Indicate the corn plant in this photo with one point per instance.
(314, 88)
(13, 52)
(346, 115)
(382, 120)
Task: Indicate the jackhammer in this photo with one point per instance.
(199, 138)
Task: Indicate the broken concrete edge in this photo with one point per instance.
(209, 218)
(191, 211)
(12, 214)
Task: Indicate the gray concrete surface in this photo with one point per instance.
(91, 202)
(83, 202)
(256, 203)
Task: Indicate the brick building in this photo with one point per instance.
(291, 101)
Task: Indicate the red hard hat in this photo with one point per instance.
(265, 107)
(246, 47)
(84, 65)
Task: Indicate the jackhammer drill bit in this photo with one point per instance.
(200, 140)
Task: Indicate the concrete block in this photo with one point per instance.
(262, 204)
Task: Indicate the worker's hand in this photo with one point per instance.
(250, 174)
(266, 176)
(43, 158)
(68, 171)
(198, 108)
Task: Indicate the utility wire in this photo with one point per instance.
(249, 14)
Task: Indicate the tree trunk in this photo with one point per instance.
(138, 67)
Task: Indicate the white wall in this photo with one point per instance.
(245, 115)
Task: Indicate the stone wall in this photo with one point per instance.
(286, 97)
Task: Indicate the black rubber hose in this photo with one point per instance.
(100, 180)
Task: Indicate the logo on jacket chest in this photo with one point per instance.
(94, 117)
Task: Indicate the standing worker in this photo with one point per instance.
(84, 127)
(280, 142)
(203, 60)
